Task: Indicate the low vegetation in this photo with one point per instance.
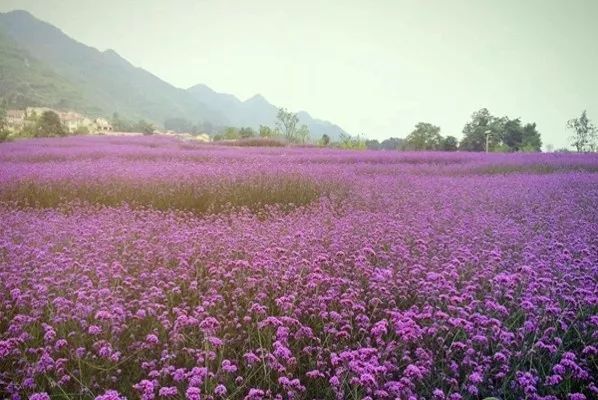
(131, 269)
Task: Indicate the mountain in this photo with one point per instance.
(257, 111)
(40, 65)
(26, 81)
(104, 81)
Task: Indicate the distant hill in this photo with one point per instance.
(256, 111)
(40, 65)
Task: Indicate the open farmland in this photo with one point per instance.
(151, 268)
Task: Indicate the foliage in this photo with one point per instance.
(372, 144)
(121, 125)
(393, 143)
(585, 134)
(347, 141)
(449, 143)
(267, 132)
(532, 141)
(82, 130)
(286, 123)
(256, 141)
(49, 124)
(179, 125)
(247, 132)
(500, 134)
(302, 134)
(147, 269)
(482, 126)
(3, 127)
(425, 136)
(325, 140)
(144, 127)
(231, 133)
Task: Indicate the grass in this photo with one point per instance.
(254, 193)
(254, 142)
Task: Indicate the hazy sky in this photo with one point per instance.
(372, 66)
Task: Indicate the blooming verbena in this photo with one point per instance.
(110, 395)
(155, 269)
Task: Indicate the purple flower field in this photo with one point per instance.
(156, 269)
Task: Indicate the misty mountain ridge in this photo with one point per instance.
(41, 65)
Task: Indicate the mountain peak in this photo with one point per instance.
(257, 98)
(18, 13)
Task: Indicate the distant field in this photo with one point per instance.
(161, 269)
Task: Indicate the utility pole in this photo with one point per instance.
(488, 132)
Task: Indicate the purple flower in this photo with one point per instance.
(168, 391)
(39, 396)
(110, 395)
(220, 390)
(193, 393)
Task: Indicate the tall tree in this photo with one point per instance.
(584, 136)
(512, 134)
(302, 134)
(483, 126)
(287, 124)
(531, 140)
(49, 124)
(425, 136)
(3, 125)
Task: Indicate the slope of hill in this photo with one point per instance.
(104, 79)
(40, 65)
(25, 81)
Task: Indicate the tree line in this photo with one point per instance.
(483, 132)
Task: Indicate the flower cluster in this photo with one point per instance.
(422, 276)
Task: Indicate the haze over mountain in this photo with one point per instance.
(40, 65)
(256, 111)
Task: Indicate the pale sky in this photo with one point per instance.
(372, 66)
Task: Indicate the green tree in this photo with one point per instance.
(347, 141)
(266, 131)
(325, 140)
(144, 127)
(425, 136)
(231, 133)
(302, 134)
(3, 126)
(393, 144)
(584, 136)
(287, 124)
(48, 124)
(450, 143)
(82, 130)
(372, 144)
(512, 134)
(483, 126)
(121, 125)
(246, 133)
(531, 140)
